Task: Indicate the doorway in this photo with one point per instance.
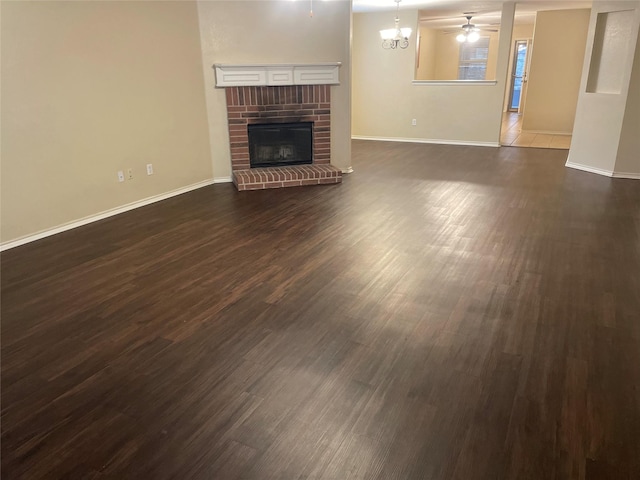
(511, 133)
(519, 75)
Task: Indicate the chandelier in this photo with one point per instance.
(396, 37)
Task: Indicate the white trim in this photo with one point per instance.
(600, 171)
(457, 83)
(586, 168)
(260, 74)
(547, 132)
(632, 176)
(427, 140)
(222, 180)
(102, 215)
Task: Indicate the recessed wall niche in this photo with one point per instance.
(610, 47)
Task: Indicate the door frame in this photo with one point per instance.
(514, 62)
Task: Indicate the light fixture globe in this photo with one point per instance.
(462, 37)
(473, 37)
(388, 34)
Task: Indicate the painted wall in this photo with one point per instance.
(276, 32)
(440, 55)
(90, 88)
(523, 31)
(426, 69)
(447, 56)
(628, 158)
(385, 100)
(559, 42)
(606, 123)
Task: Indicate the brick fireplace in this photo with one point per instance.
(247, 105)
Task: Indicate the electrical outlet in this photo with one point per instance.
(149, 169)
(414, 122)
(120, 176)
(130, 173)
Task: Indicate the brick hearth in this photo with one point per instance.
(286, 104)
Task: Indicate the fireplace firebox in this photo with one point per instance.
(280, 144)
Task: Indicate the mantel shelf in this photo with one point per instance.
(256, 75)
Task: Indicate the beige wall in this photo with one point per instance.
(426, 68)
(628, 159)
(385, 100)
(559, 42)
(522, 32)
(440, 54)
(276, 32)
(89, 88)
(447, 56)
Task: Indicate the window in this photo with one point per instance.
(473, 60)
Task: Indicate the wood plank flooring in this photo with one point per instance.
(447, 312)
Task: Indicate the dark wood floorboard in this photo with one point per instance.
(446, 313)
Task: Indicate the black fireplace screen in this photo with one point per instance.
(278, 144)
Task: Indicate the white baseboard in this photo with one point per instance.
(586, 168)
(632, 176)
(427, 140)
(547, 132)
(102, 215)
(222, 180)
(600, 171)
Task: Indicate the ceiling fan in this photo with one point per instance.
(470, 31)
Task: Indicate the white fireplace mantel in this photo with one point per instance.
(256, 75)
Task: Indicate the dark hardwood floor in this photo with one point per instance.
(447, 312)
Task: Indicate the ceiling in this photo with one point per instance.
(449, 13)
